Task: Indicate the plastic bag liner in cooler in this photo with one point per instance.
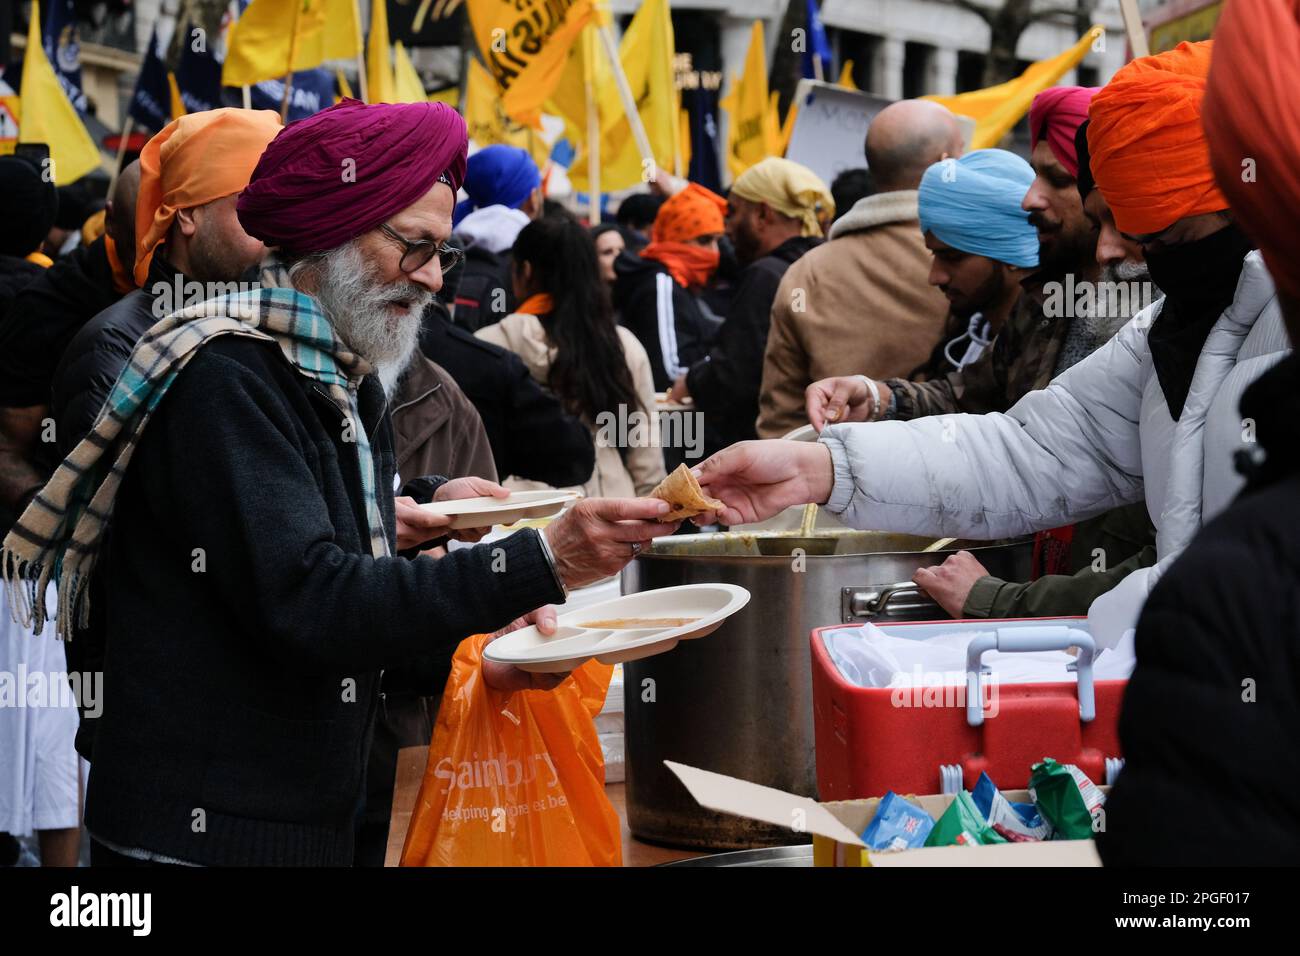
(925, 707)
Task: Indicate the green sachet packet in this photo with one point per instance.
(962, 824)
(1065, 797)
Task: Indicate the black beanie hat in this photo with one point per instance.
(28, 205)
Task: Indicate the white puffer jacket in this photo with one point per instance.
(1099, 436)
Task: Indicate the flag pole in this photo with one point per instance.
(361, 59)
(248, 96)
(593, 135)
(127, 126)
(288, 75)
(629, 102)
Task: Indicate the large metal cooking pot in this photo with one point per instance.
(739, 702)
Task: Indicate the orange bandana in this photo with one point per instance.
(1252, 120)
(1148, 151)
(695, 211)
(691, 266)
(196, 159)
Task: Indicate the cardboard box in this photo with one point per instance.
(836, 826)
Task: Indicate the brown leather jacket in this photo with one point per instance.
(436, 429)
(861, 303)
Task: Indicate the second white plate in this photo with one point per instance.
(580, 635)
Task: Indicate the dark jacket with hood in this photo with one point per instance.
(15, 275)
(724, 385)
(242, 696)
(1212, 712)
(530, 433)
(667, 319)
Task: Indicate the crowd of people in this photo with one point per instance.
(224, 398)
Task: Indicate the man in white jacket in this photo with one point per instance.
(1152, 413)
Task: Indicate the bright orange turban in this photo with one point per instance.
(1146, 145)
(195, 160)
(695, 211)
(1252, 120)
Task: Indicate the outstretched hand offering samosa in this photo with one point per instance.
(682, 491)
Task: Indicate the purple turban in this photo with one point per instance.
(331, 177)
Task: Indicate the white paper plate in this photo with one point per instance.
(572, 644)
(487, 511)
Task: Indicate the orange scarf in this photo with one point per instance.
(691, 266)
(40, 259)
(539, 304)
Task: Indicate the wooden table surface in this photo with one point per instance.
(410, 770)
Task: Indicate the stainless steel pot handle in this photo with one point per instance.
(867, 603)
(1045, 638)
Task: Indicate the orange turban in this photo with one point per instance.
(195, 160)
(695, 211)
(1252, 120)
(1147, 149)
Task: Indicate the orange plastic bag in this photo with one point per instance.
(515, 778)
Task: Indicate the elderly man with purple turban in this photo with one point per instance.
(245, 461)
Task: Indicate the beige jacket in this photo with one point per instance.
(524, 335)
(859, 304)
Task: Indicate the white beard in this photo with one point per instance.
(358, 306)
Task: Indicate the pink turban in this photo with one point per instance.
(331, 177)
(1056, 114)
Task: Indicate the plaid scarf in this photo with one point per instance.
(60, 533)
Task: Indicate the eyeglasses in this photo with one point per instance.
(416, 253)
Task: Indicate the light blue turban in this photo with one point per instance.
(973, 204)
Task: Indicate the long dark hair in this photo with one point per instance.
(589, 373)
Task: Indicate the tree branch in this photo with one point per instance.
(984, 13)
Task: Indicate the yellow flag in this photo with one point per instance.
(47, 116)
(996, 109)
(450, 96)
(275, 37)
(487, 120)
(526, 46)
(345, 88)
(787, 127)
(178, 104)
(646, 54)
(751, 133)
(380, 82)
(846, 76)
(407, 85)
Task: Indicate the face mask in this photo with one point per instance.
(1201, 268)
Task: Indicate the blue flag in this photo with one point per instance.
(818, 46)
(151, 102)
(313, 91)
(63, 51)
(198, 74)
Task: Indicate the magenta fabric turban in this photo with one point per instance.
(1055, 115)
(329, 178)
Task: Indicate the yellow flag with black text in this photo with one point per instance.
(487, 121)
(46, 115)
(525, 45)
(275, 37)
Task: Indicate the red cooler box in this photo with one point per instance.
(873, 740)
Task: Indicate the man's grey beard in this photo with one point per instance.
(357, 306)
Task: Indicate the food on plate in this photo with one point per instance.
(625, 623)
(683, 492)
